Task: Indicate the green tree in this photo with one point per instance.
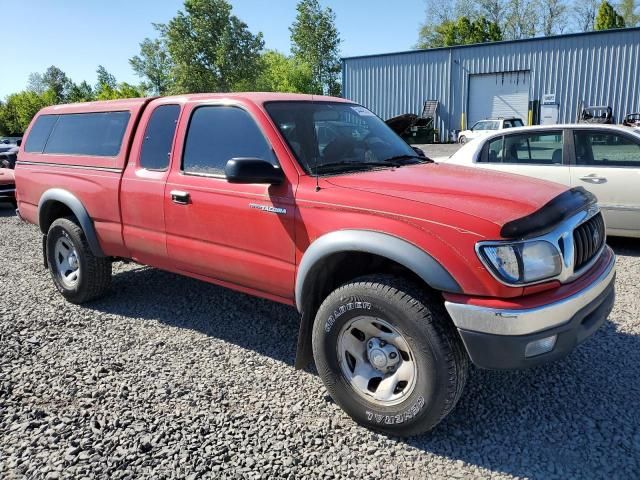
(461, 32)
(19, 108)
(121, 90)
(105, 79)
(316, 42)
(608, 18)
(52, 79)
(153, 65)
(81, 92)
(628, 9)
(279, 73)
(212, 50)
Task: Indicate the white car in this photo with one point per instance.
(604, 159)
(488, 126)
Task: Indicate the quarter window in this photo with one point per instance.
(92, 134)
(219, 133)
(158, 137)
(542, 148)
(604, 149)
(39, 133)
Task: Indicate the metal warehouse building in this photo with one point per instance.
(511, 78)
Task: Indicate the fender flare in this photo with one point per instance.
(76, 206)
(377, 243)
(382, 244)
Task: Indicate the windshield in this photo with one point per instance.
(330, 138)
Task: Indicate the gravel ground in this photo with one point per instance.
(168, 377)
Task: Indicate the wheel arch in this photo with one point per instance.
(387, 251)
(56, 200)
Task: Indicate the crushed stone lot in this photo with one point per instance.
(168, 377)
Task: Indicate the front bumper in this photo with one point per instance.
(498, 338)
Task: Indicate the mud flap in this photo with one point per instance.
(44, 252)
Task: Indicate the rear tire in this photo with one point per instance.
(77, 273)
(388, 313)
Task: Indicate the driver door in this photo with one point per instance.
(239, 235)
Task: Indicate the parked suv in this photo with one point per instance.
(485, 127)
(402, 269)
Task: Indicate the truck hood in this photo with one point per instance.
(493, 196)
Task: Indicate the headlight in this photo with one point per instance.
(522, 263)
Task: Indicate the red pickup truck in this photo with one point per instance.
(402, 269)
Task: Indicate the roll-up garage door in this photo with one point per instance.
(498, 95)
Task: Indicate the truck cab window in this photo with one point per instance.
(158, 138)
(219, 133)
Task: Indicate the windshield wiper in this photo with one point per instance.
(397, 159)
(351, 164)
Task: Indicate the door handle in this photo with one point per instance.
(593, 178)
(179, 197)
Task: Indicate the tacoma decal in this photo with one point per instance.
(268, 208)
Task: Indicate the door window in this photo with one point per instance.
(605, 149)
(219, 133)
(158, 137)
(531, 149)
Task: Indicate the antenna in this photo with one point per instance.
(315, 159)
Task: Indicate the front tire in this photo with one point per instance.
(462, 140)
(77, 273)
(389, 355)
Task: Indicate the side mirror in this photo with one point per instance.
(19, 142)
(252, 170)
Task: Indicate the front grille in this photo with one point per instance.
(588, 239)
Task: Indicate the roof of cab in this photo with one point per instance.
(134, 103)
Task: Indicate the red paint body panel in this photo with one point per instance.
(219, 237)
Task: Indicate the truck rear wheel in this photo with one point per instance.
(77, 273)
(389, 355)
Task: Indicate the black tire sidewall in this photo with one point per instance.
(60, 228)
(426, 403)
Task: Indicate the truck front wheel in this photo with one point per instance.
(389, 355)
(77, 273)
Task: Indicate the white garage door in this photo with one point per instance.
(498, 95)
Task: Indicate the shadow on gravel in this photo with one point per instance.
(260, 325)
(625, 246)
(571, 419)
(576, 418)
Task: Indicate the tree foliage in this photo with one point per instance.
(19, 108)
(607, 17)
(315, 41)
(629, 12)
(212, 50)
(279, 73)
(463, 31)
(153, 65)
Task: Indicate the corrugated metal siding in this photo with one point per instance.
(600, 68)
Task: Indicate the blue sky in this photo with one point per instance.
(78, 35)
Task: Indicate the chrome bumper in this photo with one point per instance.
(523, 322)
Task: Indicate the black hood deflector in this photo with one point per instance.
(546, 218)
